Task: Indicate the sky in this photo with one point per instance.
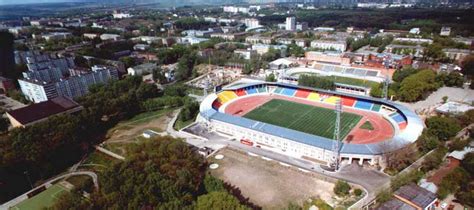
(7, 2)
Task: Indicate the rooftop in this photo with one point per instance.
(43, 110)
(417, 195)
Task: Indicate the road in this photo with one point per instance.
(50, 182)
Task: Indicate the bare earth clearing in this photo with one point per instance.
(269, 184)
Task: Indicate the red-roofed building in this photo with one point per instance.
(35, 113)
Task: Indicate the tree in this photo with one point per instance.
(417, 86)
(341, 188)
(468, 66)
(316, 82)
(443, 127)
(185, 67)
(426, 142)
(81, 61)
(212, 183)
(218, 200)
(270, 78)
(128, 61)
(401, 74)
(358, 192)
(7, 61)
(468, 163)
(4, 124)
(163, 173)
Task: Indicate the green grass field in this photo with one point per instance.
(305, 118)
(42, 200)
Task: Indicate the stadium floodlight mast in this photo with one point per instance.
(336, 145)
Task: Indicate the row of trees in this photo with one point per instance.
(412, 85)
(316, 82)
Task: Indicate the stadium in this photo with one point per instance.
(300, 121)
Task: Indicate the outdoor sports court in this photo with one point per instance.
(302, 117)
(42, 200)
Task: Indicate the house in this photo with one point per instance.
(109, 37)
(457, 54)
(282, 63)
(445, 31)
(38, 112)
(411, 196)
(142, 69)
(141, 47)
(245, 54)
(258, 39)
(329, 45)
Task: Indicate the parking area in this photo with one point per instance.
(268, 183)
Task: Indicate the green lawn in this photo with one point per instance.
(305, 118)
(42, 200)
(344, 80)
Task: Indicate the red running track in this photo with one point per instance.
(383, 129)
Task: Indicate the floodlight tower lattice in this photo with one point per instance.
(336, 145)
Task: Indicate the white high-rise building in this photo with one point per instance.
(290, 24)
(251, 23)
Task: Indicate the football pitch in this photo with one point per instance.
(305, 118)
(44, 199)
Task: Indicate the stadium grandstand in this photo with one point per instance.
(366, 77)
(299, 121)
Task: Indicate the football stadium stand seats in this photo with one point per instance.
(332, 99)
(278, 90)
(288, 91)
(302, 93)
(262, 89)
(252, 90)
(226, 96)
(216, 104)
(240, 92)
(362, 104)
(347, 101)
(313, 96)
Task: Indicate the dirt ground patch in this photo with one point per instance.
(130, 130)
(269, 184)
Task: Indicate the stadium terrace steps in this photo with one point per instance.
(226, 96)
(313, 96)
(361, 104)
(376, 107)
(288, 91)
(302, 93)
(262, 89)
(240, 92)
(216, 105)
(278, 90)
(331, 99)
(346, 101)
(397, 117)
